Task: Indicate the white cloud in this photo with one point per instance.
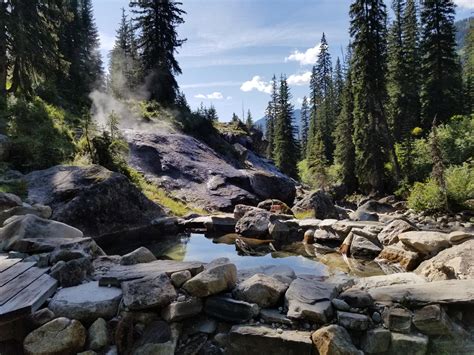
(299, 79)
(299, 100)
(106, 41)
(213, 96)
(210, 84)
(467, 4)
(257, 83)
(305, 58)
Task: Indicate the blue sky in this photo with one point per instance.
(234, 47)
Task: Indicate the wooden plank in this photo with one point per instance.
(14, 271)
(30, 299)
(15, 286)
(7, 263)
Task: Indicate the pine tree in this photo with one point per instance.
(249, 121)
(338, 81)
(235, 118)
(344, 153)
(158, 42)
(93, 70)
(270, 114)
(442, 84)
(468, 68)
(286, 151)
(304, 126)
(371, 137)
(314, 101)
(317, 162)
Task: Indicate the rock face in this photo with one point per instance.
(320, 202)
(60, 336)
(213, 280)
(310, 300)
(86, 302)
(92, 199)
(148, 292)
(261, 289)
(334, 340)
(259, 340)
(452, 263)
(30, 226)
(197, 174)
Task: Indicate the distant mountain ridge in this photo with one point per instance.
(262, 122)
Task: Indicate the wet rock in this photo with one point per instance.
(425, 242)
(59, 336)
(261, 289)
(213, 280)
(257, 340)
(93, 199)
(310, 300)
(148, 292)
(452, 263)
(389, 234)
(308, 237)
(398, 319)
(180, 277)
(363, 248)
(71, 273)
(177, 311)
(398, 253)
(408, 344)
(357, 298)
(433, 320)
(353, 321)
(98, 335)
(376, 341)
(138, 256)
(30, 226)
(334, 340)
(320, 202)
(86, 302)
(230, 310)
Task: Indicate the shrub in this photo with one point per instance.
(426, 196)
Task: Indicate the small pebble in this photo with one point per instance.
(376, 317)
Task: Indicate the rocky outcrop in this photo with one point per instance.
(193, 172)
(319, 202)
(93, 199)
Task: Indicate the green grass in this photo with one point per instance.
(18, 188)
(304, 214)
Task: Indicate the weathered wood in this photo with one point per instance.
(7, 263)
(16, 285)
(29, 299)
(14, 271)
(131, 272)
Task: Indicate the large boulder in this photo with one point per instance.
(93, 199)
(149, 292)
(8, 200)
(59, 336)
(261, 289)
(320, 202)
(229, 310)
(254, 223)
(214, 279)
(272, 185)
(389, 234)
(426, 243)
(334, 340)
(452, 263)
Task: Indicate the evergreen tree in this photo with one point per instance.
(158, 42)
(286, 151)
(371, 137)
(4, 20)
(317, 162)
(304, 126)
(344, 153)
(442, 84)
(270, 114)
(468, 75)
(93, 70)
(249, 122)
(235, 118)
(338, 81)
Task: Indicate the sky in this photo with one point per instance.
(234, 47)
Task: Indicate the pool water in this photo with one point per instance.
(198, 247)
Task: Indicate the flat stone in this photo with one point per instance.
(257, 340)
(59, 336)
(425, 242)
(213, 280)
(334, 340)
(275, 316)
(98, 335)
(310, 300)
(403, 278)
(138, 256)
(261, 289)
(180, 277)
(282, 273)
(443, 292)
(389, 234)
(86, 302)
(408, 344)
(177, 311)
(353, 321)
(397, 253)
(433, 320)
(230, 310)
(376, 341)
(398, 319)
(459, 237)
(224, 223)
(150, 292)
(357, 298)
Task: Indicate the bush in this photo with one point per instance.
(427, 196)
(40, 135)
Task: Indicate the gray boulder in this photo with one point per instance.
(376, 341)
(215, 279)
(363, 248)
(253, 224)
(261, 289)
(8, 200)
(426, 243)
(272, 185)
(72, 272)
(148, 292)
(98, 335)
(320, 202)
(389, 234)
(408, 344)
(179, 310)
(229, 310)
(138, 256)
(334, 340)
